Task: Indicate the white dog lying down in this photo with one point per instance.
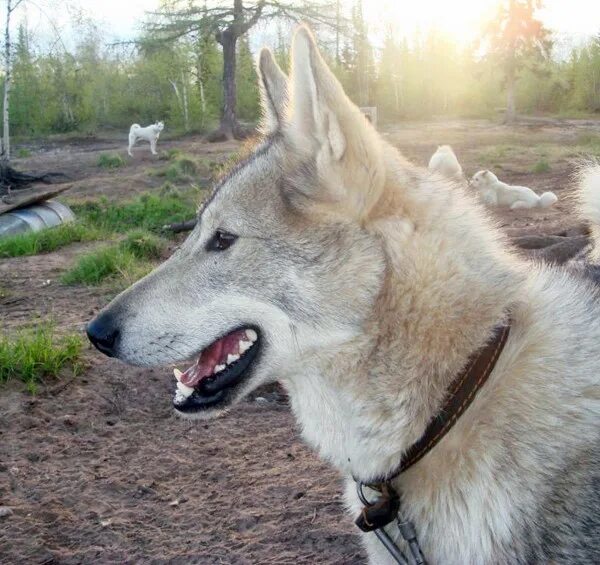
(497, 193)
(149, 133)
(444, 161)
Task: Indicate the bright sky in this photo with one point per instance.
(460, 18)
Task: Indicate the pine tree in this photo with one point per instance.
(516, 38)
(229, 22)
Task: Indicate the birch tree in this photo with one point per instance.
(11, 6)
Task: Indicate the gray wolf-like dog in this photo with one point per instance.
(149, 133)
(364, 283)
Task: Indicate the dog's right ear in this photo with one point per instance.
(273, 91)
(326, 129)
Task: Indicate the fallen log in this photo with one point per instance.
(538, 241)
(181, 226)
(561, 252)
(551, 249)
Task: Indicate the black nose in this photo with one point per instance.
(104, 334)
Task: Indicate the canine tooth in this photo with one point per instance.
(231, 358)
(251, 335)
(177, 374)
(244, 346)
(184, 389)
(219, 368)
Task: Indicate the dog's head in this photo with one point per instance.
(159, 126)
(280, 268)
(481, 179)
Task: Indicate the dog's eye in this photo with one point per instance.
(221, 241)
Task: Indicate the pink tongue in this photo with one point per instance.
(215, 354)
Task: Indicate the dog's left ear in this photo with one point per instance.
(273, 91)
(325, 125)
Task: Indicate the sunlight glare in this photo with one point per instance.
(460, 19)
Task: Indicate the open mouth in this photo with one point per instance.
(218, 371)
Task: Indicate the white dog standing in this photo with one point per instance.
(497, 193)
(149, 133)
(444, 161)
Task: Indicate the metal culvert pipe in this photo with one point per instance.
(44, 215)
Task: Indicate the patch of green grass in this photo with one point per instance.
(170, 154)
(144, 245)
(32, 243)
(172, 174)
(33, 354)
(112, 262)
(186, 165)
(148, 211)
(542, 166)
(182, 169)
(589, 143)
(588, 138)
(127, 261)
(110, 161)
(23, 152)
(169, 189)
(496, 153)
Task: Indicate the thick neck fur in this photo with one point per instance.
(484, 493)
(447, 283)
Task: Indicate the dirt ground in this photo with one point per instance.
(97, 469)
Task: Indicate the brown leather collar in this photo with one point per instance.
(386, 508)
(460, 395)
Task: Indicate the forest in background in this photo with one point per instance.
(98, 86)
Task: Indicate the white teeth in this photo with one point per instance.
(244, 346)
(251, 335)
(184, 389)
(232, 358)
(219, 368)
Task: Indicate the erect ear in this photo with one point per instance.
(273, 91)
(326, 126)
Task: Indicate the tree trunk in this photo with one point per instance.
(182, 101)
(511, 79)
(5, 150)
(229, 125)
(230, 129)
(511, 112)
(186, 108)
(200, 85)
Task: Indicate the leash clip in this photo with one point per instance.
(408, 532)
(381, 512)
